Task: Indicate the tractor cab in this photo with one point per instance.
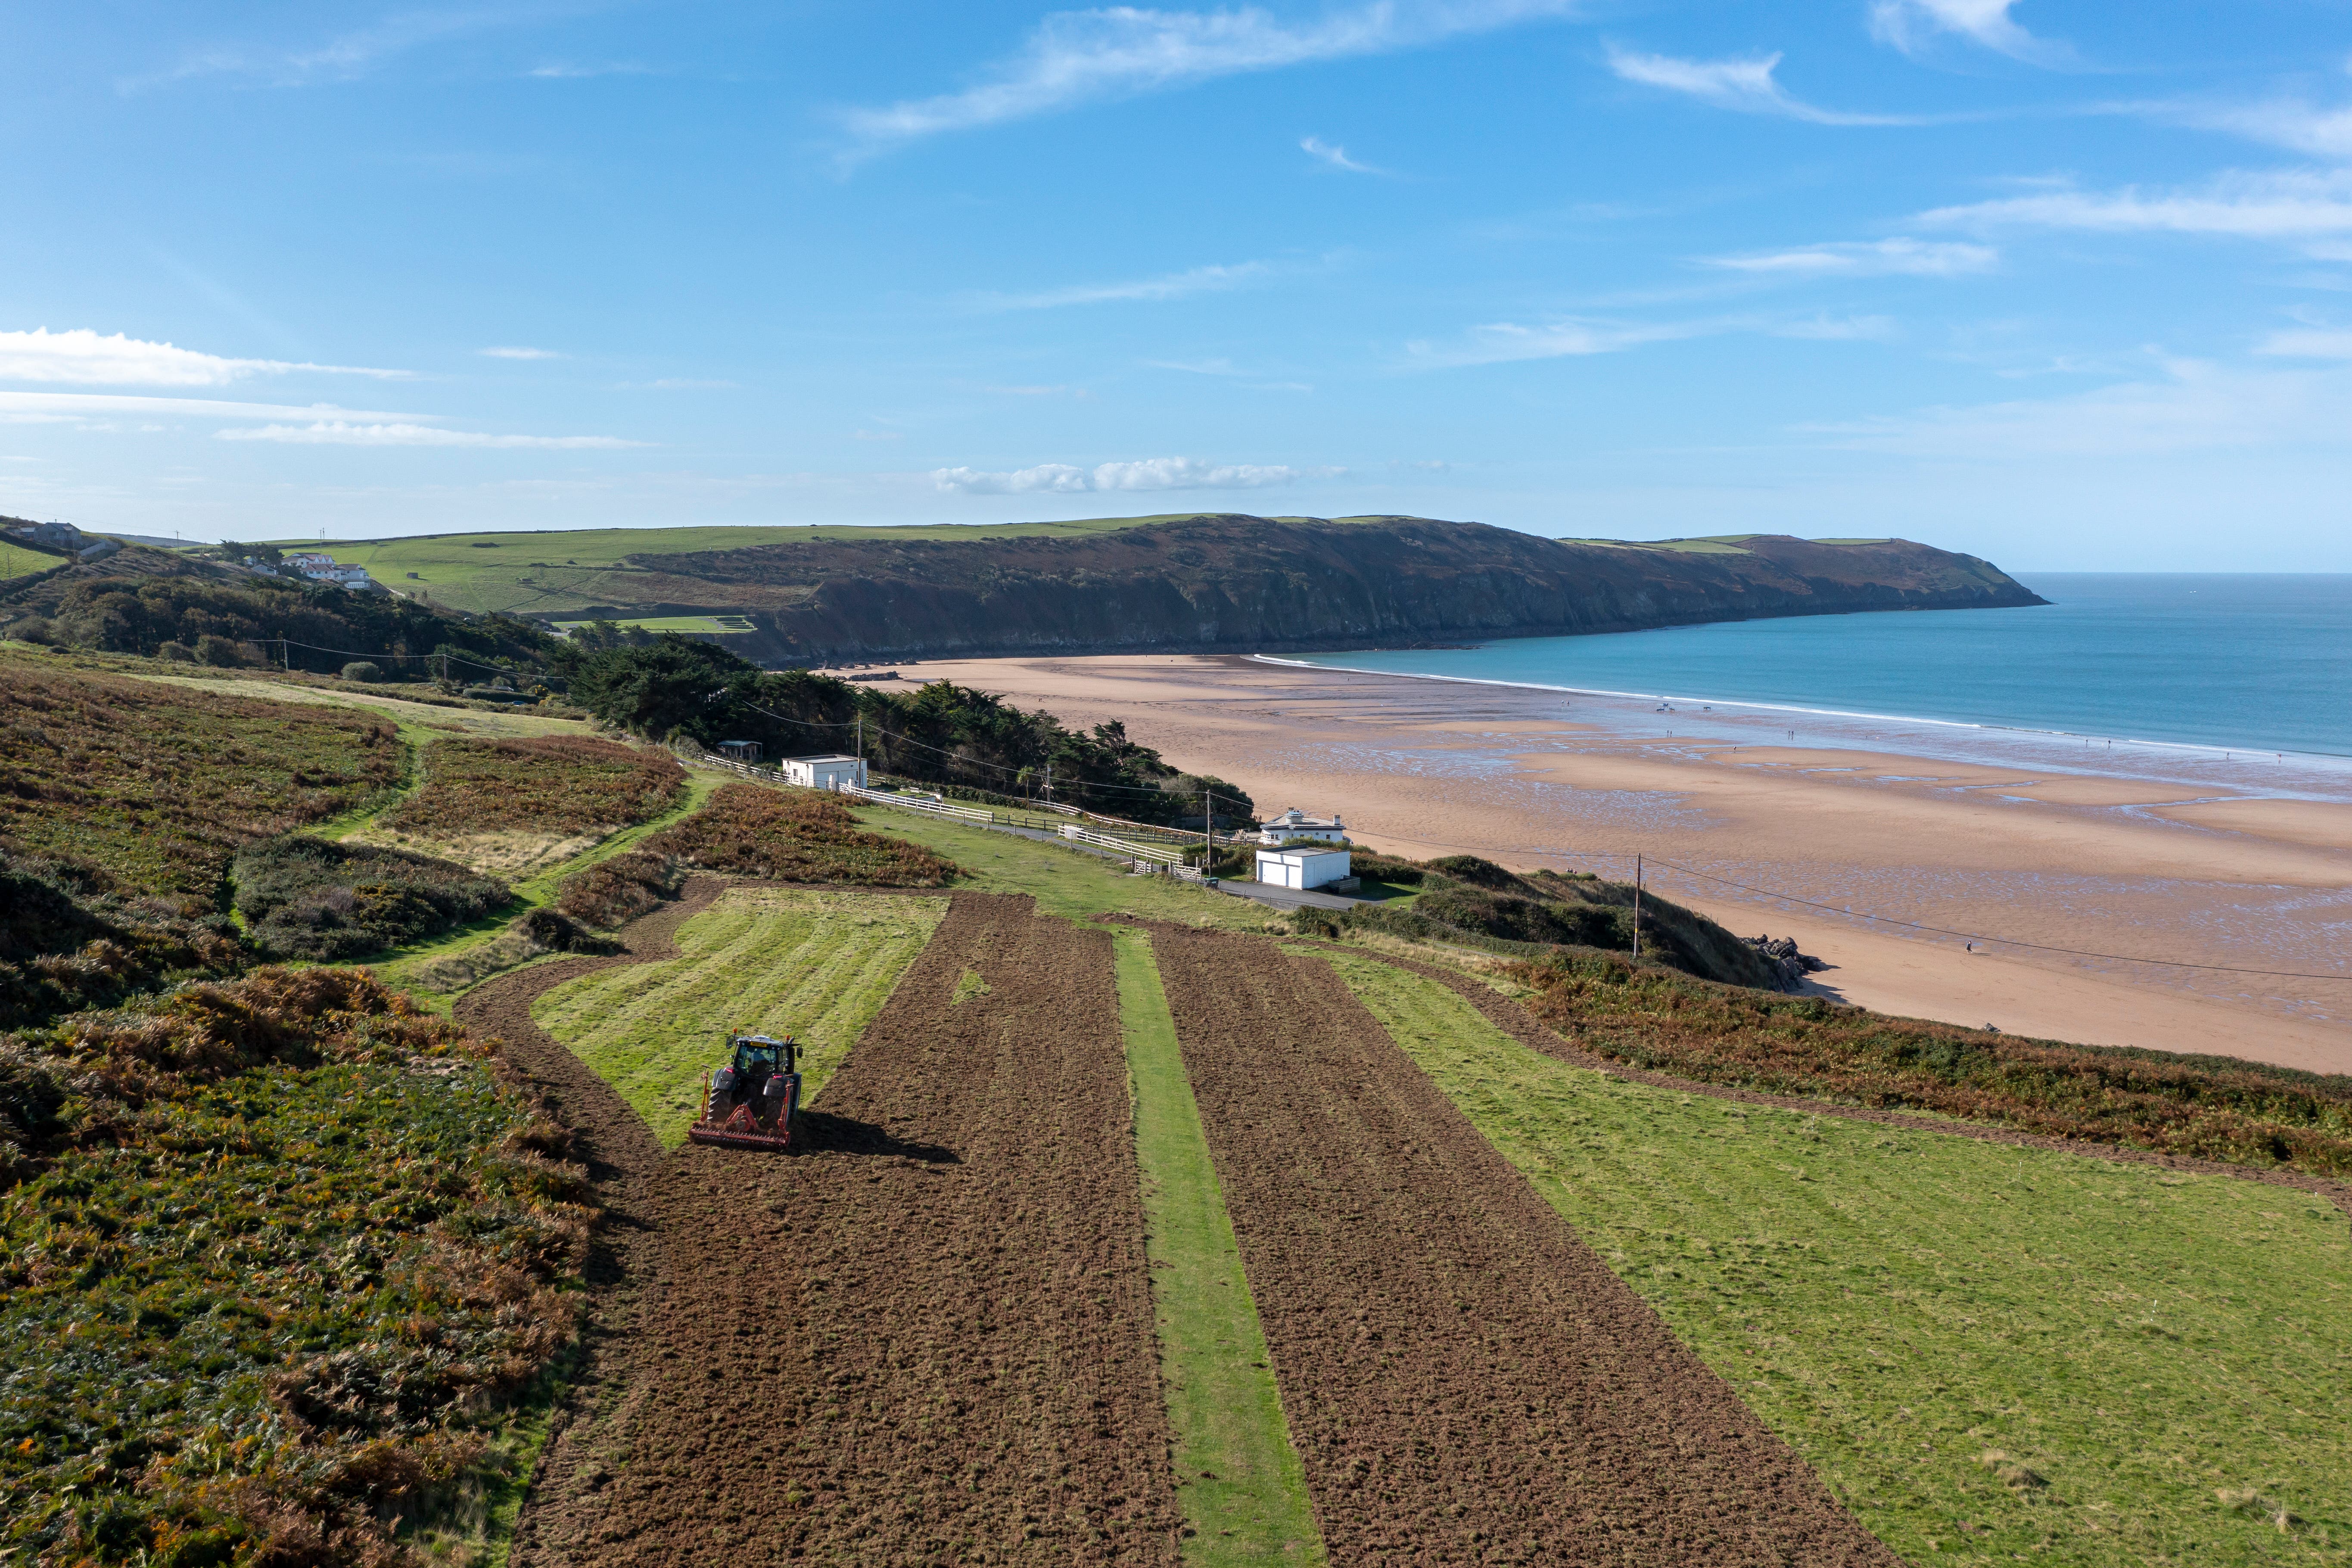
(749, 1103)
(757, 1056)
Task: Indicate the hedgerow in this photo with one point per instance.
(280, 1251)
(795, 837)
(310, 898)
(2209, 1108)
(556, 783)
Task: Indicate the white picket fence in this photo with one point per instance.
(1151, 852)
(914, 803)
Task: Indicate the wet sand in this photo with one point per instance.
(1780, 822)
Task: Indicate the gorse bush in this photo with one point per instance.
(361, 669)
(2205, 1107)
(277, 1252)
(1469, 899)
(795, 837)
(615, 892)
(556, 783)
(307, 897)
(159, 785)
(67, 942)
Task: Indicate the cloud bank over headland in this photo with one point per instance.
(1146, 474)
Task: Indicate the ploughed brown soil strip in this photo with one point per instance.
(1465, 1381)
(929, 1338)
(1531, 1032)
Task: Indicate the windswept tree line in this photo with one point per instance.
(205, 621)
(674, 689)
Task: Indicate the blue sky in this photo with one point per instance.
(2068, 286)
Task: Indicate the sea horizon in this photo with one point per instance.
(2204, 665)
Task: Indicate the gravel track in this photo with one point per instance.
(1465, 1381)
(928, 1339)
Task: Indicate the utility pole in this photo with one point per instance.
(1208, 839)
(1637, 905)
(1049, 782)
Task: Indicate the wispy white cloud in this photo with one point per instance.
(2289, 123)
(517, 354)
(569, 70)
(1084, 56)
(1915, 26)
(2290, 205)
(82, 357)
(1900, 257)
(1146, 474)
(1745, 85)
(344, 433)
(97, 405)
(1168, 285)
(2191, 405)
(2309, 342)
(1503, 343)
(1334, 154)
(339, 58)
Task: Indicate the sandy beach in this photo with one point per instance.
(2016, 844)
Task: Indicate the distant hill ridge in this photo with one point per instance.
(1204, 582)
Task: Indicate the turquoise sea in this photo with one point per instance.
(2223, 660)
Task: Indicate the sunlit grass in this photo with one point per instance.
(815, 965)
(1985, 1351)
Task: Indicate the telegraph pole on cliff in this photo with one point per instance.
(1637, 905)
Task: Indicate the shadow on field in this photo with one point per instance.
(824, 1133)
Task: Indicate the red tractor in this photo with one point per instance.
(750, 1103)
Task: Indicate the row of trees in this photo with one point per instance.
(672, 688)
(323, 627)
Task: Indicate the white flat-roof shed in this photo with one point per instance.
(1301, 869)
(822, 773)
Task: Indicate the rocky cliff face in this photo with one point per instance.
(1230, 584)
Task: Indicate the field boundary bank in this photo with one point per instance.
(620, 1150)
(1464, 1375)
(1516, 1021)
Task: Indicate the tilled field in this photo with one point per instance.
(1465, 1381)
(927, 1339)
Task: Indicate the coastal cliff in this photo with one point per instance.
(1232, 584)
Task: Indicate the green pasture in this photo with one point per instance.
(1238, 1481)
(710, 625)
(816, 965)
(1989, 1353)
(1072, 883)
(563, 572)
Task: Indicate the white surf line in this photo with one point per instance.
(2226, 752)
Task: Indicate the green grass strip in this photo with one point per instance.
(1239, 1482)
(818, 965)
(1987, 1352)
(1066, 881)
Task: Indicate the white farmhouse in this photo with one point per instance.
(1304, 868)
(828, 772)
(1296, 824)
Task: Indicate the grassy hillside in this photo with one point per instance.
(1988, 1351)
(159, 786)
(561, 571)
